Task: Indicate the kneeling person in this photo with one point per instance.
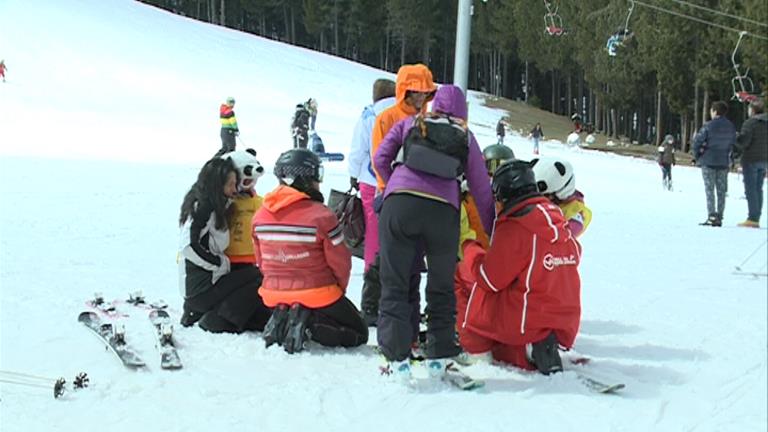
(300, 249)
(526, 297)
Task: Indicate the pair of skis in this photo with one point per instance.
(113, 336)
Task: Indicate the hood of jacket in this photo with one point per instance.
(281, 198)
(541, 217)
(416, 77)
(450, 100)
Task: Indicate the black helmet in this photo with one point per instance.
(495, 155)
(298, 164)
(514, 181)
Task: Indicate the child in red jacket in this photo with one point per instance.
(524, 299)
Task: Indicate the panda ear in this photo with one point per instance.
(251, 151)
(560, 168)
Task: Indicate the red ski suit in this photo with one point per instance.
(525, 286)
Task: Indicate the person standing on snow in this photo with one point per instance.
(300, 126)
(220, 298)
(536, 134)
(299, 246)
(500, 131)
(311, 106)
(362, 178)
(414, 88)
(523, 296)
(421, 212)
(3, 68)
(752, 145)
(667, 160)
(229, 129)
(712, 149)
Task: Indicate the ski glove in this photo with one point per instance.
(223, 269)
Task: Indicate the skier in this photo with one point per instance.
(555, 180)
(229, 129)
(414, 88)
(3, 68)
(221, 299)
(311, 106)
(712, 149)
(500, 131)
(421, 212)
(616, 40)
(362, 178)
(667, 160)
(299, 246)
(317, 144)
(536, 134)
(524, 299)
(300, 126)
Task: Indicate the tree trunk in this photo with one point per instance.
(659, 122)
(525, 83)
(695, 106)
(596, 116)
(211, 15)
(684, 132)
(554, 93)
(336, 27)
(402, 49)
(704, 107)
(614, 123)
(569, 94)
(223, 19)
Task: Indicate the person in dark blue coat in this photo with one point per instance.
(712, 149)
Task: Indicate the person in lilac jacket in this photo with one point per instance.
(421, 212)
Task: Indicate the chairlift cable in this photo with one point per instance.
(762, 24)
(699, 20)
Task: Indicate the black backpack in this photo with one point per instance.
(437, 144)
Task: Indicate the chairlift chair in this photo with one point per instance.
(743, 87)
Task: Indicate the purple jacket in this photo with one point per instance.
(449, 99)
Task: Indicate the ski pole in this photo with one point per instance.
(738, 267)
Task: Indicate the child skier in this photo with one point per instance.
(667, 160)
(300, 126)
(229, 129)
(299, 246)
(556, 181)
(3, 68)
(245, 204)
(524, 296)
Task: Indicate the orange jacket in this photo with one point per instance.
(475, 222)
(415, 77)
(299, 247)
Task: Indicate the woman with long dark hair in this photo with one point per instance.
(220, 299)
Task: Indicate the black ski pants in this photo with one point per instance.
(227, 141)
(339, 325)
(233, 304)
(407, 225)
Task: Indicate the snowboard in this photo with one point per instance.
(161, 321)
(113, 337)
(331, 157)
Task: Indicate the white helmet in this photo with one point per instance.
(554, 177)
(248, 167)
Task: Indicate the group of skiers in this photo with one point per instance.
(496, 236)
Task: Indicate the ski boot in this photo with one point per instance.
(545, 356)
(436, 367)
(713, 220)
(274, 331)
(297, 330)
(400, 370)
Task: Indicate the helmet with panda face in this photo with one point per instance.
(554, 177)
(248, 168)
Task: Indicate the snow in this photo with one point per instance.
(109, 111)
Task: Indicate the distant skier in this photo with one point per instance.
(300, 126)
(229, 129)
(536, 134)
(3, 68)
(667, 160)
(299, 246)
(523, 298)
(311, 106)
(500, 131)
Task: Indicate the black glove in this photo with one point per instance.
(354, 184)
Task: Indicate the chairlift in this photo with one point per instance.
(622, 34)
(553, 23)
(743, 87)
